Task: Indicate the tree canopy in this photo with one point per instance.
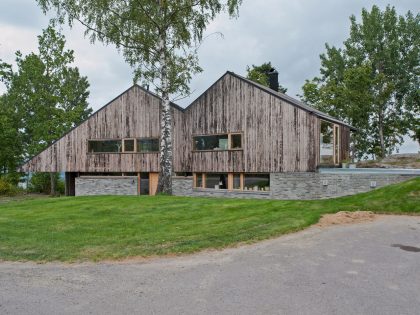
(260, 73)
(373, 81)
(158, 38)
(45, 96)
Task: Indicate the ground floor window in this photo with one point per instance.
(233, 181)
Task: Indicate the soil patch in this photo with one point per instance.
(346, 217)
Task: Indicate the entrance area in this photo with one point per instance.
(147, 183)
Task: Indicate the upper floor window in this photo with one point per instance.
(104, 146)
(133, 145)
(229, 141)
(148, 145)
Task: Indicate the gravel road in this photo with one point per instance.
(366, 268)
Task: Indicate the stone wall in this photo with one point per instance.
(319, 185)
(304, 185)
(95, 185)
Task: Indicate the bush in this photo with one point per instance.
(7, 188)
(41, 183)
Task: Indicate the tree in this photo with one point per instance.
(158, 38)
(373, 82)
(10, 138)
(260, 75)
(47, 96)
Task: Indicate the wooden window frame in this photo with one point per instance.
(147, 138)
(123, 145)
(336, 137)
(109, 139)
(229, 134)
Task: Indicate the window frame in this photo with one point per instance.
(147, 138)
(229, 134)
(230, 176)
(122, 145)
(336, 143)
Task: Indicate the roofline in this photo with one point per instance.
(291, 100)
(100, 109)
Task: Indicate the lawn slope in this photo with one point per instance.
(111, 227)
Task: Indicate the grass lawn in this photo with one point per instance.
(110, 227)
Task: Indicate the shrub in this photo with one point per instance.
(7, 188)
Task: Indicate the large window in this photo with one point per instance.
(104, 146)
(257, 182)
(231, 141)
(148, 145)
(233, 181)
(329, 143)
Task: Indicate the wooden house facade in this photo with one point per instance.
(231, 137)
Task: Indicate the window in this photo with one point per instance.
(235, 141)
(128, 145)
(257, 182)
(329, 143)
(218, 142)
(233, 181)
(216, 181)
(148, 145)
(198, 180)
(104, 146)
(236, 183)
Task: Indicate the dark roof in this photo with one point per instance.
(292, 101)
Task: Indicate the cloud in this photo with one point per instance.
(290, 34)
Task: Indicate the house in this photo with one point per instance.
(238, 139)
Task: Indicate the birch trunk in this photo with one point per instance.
(166, 156)
(381, 132)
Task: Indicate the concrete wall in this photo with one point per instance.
(95, 185)
(305, 185)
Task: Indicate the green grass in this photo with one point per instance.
(110, 227)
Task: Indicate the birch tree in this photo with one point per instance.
(158, 38)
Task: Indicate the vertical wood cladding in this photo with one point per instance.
(134, 114)
(277, 136)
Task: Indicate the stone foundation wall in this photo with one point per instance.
(319, 185)
(308, 185)
(89, 186)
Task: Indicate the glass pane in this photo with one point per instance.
(216, 142)
(148, 145)
(144, 183)
(259, 182)
(236, 181)
(337, 144)
(236, 141)
(199, 180)
(104, 146)
(216, 181)
(129, 145)
(326, 145)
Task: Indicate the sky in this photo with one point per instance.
(290, 34)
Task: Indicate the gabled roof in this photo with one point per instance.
(283, 97)
(103, 107)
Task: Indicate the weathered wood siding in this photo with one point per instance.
(134, 114)
(277, 136)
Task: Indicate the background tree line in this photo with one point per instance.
(45, 98)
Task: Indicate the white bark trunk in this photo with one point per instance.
(166, 155)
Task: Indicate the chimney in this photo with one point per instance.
(273, 79)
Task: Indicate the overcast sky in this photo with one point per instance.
(290, 34)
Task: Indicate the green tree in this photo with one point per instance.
(259, 74)
(47, 95)
(158, 38)
(373, 81)
(11, 152)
